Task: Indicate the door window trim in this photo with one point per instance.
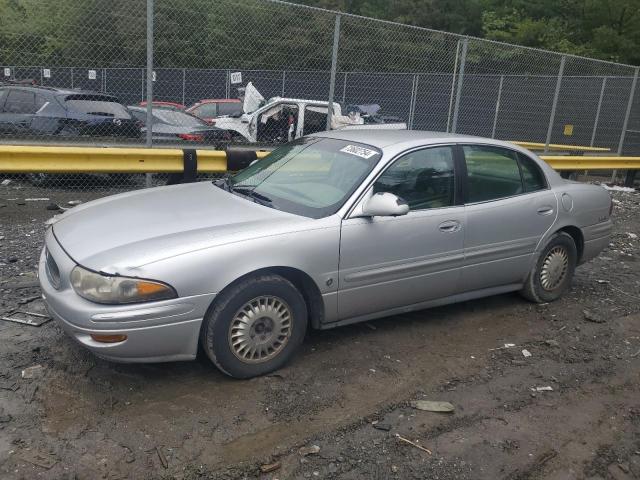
(513, 150)
(458, 200)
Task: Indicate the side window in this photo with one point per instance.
(231, 108)
(492, 173)
(315, 119)
(532, 175)
(206, 110)
(424, 178)
(19, 101)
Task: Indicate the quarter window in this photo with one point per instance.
(19, 101)
(492, 173)
(532, 176)
(424, 178)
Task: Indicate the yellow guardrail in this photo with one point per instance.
(565, 162)
(559, 147)
(27, 159)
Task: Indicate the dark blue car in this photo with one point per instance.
(37, 111)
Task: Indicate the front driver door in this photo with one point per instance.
(391, 262)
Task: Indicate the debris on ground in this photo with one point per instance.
(33, 319)
(32, 372)
(415, 444)
(526, 353)
(381, 426)
(53, 206)
(44, 460)
(543, 389)
(73, 203)
(163, 459)
(433, 406)
(310, 450)
(592, 317)
(270, 467)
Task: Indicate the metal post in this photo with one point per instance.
(627, 114)
(412, 103)
(555, 104)
(456, 108)
(228, 85)
(104, 80)
(142, 78)
(453, 85)
(284, 79)
(597, 119)
(495, 117)
(149, 142)
(72, 78)
(184, 84)
(344, 87)
(334, 64)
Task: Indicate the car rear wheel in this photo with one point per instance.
(552, 274)
(255, 327)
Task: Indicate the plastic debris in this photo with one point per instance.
(32, 372)
(526, 353)
(73, 203)
(543, 389)
(432, 406)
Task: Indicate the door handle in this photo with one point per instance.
(449, 226)
(546, 210)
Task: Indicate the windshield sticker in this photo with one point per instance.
(358, 151)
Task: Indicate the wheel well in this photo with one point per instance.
(578, 238)
(303, 282)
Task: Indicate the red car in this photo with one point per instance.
(166, 105)
(210, 108)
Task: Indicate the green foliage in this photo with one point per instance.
(247, 34)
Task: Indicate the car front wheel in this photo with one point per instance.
(552, 274)
(255, 327)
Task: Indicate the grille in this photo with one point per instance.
(53, 273)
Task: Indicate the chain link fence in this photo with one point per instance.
(68, 69)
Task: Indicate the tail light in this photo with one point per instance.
(191, 137)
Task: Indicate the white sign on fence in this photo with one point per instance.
(7, 72)
(153, 76)
(92, 74)
(236, 77)
(46, 72)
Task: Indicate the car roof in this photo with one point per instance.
(381, 138)
(56, 90)
(218, 100)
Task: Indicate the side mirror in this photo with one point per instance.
(384, 204)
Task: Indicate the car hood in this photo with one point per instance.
(121, 233)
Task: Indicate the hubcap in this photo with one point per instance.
(260, 329)
(554, 268)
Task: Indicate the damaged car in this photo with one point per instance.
(334, 228)
(280, 120)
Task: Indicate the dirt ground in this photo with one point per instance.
(348, 392)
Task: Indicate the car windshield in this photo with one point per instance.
(312, 177)
(176, 118)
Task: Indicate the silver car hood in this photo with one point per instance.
(121, 233)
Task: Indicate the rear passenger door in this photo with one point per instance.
(509, 208)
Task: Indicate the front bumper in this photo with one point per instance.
(161, 331)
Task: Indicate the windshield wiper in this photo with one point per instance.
(255, 196)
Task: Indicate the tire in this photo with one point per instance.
(267, 304)
(553, 271)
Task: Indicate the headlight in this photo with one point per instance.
(115, 290)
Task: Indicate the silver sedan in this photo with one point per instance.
(334, 228)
